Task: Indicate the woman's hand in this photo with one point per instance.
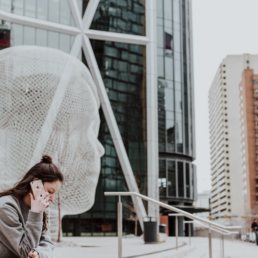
(34, 254)
(39, 204)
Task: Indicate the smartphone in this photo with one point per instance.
(36, 186)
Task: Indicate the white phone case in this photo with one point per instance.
(35, 186)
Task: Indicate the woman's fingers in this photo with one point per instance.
(33, 254)
(31, 197)
(47, 199)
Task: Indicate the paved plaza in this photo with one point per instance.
(96, 247)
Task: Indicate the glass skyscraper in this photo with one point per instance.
(123, 70)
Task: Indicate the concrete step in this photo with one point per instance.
(180, 253)
(197, 253)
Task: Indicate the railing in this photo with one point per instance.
(211, 225)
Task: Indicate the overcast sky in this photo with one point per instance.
(220, 28)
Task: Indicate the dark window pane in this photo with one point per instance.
(180, 176)
(187, 179)
(171, 178)
(122, 17)
(168, 45)
(186, 139)
(161, 116)
(162, 178)
(170, 127)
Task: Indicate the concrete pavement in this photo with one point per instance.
(106, 247)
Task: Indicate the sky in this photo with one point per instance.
(220, 28)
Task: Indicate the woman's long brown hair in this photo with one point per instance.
(45, 171)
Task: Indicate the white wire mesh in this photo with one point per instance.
(49, 105)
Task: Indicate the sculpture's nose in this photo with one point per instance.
(100, 148)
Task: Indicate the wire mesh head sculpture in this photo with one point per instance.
(49, 105)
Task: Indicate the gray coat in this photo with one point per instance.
(21, 230)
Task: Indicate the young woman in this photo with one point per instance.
(23, 220)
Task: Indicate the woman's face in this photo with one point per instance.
(52, 188)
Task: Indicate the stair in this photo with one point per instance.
(180, 253)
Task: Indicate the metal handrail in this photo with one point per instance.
(212, 226)
(223, 232)
(186, 214)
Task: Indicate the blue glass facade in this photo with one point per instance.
(177, 178)
(123, 70)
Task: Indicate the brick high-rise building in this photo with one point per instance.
(227, 161)
(249, 139)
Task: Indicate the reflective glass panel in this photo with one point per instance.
(65, 13)
(122, 69)
(30, 8)
(162, 181)
(64, 43)
(180, 176)
(168, 36)
(160, 66)
(171, 178)
(187, 179)
(123, 16)
(29, 36)
(176, 11)
(169, 99)
(16, 35)
(42, 10)
(6, 5)
(170, 127)
(159, 8)
(160, 37)
(54, 11)
(168, 9)
(177, 71)
(41, 37)
(169, 68)
(178, 101)
(18, 7)
(177, 40)
(162, 129)
(179, 132)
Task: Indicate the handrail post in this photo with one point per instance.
(210, 244)
(189, 232)
(119, 226)
(176, 233)
(222, 245)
